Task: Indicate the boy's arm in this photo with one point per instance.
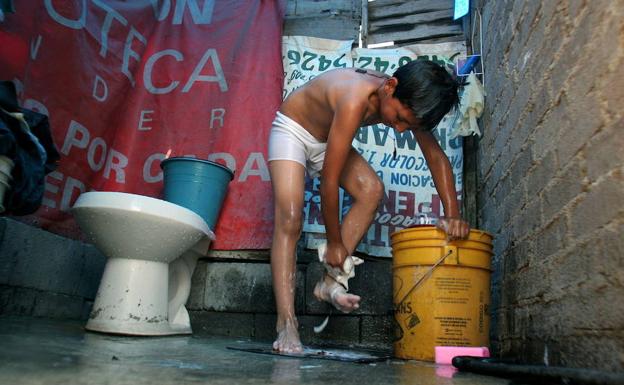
(347, 118)
(444, 181)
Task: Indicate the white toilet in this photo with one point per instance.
(152, 248)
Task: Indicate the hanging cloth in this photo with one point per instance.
(25, 138)
(470, 108)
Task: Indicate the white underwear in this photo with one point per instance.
(290, 141)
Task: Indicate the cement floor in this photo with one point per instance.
(43, 351)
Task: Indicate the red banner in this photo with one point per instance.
(126, 84)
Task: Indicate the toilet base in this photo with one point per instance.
(132, 299)
(137, 328)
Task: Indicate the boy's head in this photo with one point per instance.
(427, 89)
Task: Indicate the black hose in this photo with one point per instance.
(537, 374)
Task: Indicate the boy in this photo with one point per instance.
(313, 132)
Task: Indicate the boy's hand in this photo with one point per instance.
(455, 228)
(336, 254)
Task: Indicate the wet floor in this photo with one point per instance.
(43, 351)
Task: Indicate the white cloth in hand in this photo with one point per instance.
(343, 275)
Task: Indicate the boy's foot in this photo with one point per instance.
(288, 338)
(334, 293)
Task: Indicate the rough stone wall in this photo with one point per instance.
(551, 179)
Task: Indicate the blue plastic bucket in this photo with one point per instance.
(197, 184)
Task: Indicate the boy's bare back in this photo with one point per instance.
(315, 104)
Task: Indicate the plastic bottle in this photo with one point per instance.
(426, 216)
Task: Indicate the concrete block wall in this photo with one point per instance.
(45, 275)
(551, 177)
(236, 299)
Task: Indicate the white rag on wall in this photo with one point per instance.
(470, 108)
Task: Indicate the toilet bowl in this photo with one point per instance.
(152, 248)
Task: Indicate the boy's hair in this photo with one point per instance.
(427, 89)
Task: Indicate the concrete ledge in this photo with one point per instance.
(377, 332)
(239, 287)
(264, 327)
(37, 303)
(342, 330)
(222, 324)
(43, 274)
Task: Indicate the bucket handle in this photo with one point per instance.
(447, 251)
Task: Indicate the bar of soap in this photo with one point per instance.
(445, 354)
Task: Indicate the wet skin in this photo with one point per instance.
(332, 107)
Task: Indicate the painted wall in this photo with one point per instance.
(551, 179)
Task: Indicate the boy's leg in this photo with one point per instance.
(287, 178)
(363, 184)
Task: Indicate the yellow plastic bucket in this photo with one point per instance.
(441, 291)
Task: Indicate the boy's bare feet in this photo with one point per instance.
(330, 291)
(288, 337)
